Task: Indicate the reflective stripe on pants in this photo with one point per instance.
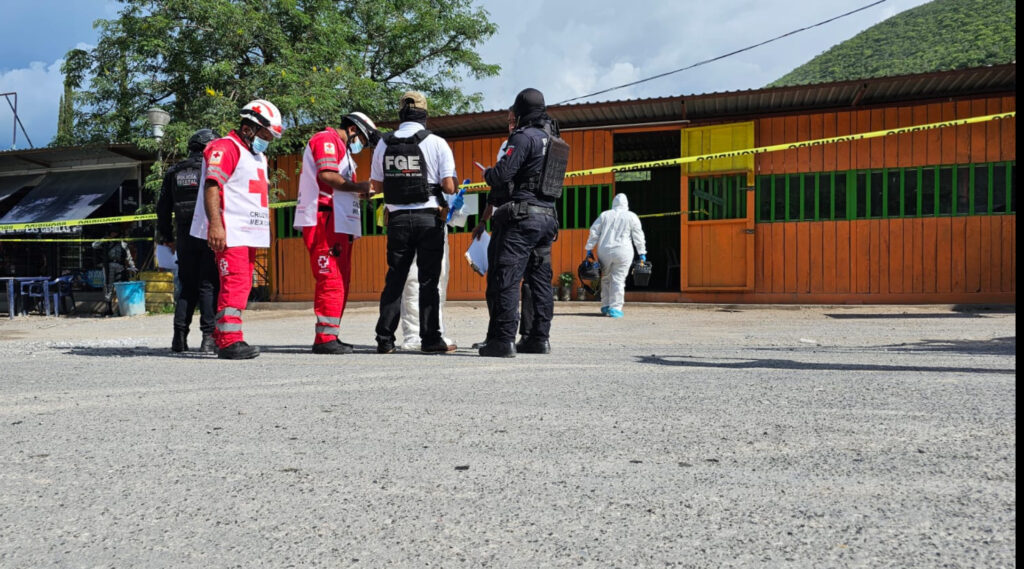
(331, 273)
(235, 266)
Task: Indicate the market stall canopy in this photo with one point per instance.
(63, 196)
(11, 184)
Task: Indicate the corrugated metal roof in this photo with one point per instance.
(48, 158)
(733, 104)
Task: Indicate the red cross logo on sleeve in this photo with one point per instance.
(259, 186)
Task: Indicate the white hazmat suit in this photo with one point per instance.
(615, 233)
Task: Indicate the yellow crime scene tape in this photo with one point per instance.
(772, 148)
(75, 240)
(478, 186)
(704, 211)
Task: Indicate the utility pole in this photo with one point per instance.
(17, 121)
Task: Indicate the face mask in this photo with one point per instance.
(259, 145)
(356, 146)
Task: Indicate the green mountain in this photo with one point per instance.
(938, 36)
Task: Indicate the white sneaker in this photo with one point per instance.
(414, 345)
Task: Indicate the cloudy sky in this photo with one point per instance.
(564, 48)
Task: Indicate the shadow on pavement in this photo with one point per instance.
(134, 352)
(148, 352)
(904, 316)
(1006, 346)
(755, 363)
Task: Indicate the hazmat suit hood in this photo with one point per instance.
(617, 229)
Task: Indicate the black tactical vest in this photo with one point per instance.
(556, 160)
(186, 189)
(405, 170)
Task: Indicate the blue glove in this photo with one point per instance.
(643, 258)
(590, 254)
(459, 200)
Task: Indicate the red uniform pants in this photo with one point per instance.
(330, 259)
(235, 266)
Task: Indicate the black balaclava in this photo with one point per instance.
(529, 107)
(411, 114)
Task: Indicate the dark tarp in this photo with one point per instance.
(64, 196)
(11, 184)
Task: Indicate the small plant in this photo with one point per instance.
(565, 279)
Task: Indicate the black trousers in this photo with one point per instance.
(520, 252)
(197, 273)
(527, 311)
(418, 234)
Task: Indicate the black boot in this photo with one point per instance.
(332, 347)
(180, 341)
(238, 351)
(492, 349)
(209, 345)
(532, 346)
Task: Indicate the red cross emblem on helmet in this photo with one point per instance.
(266, 114)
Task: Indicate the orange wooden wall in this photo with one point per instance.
(990, 141)
(937, 259)
(920, 260)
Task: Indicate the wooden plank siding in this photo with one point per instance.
(960, 259)
(992, 141)
(879, 249)
(921, 260)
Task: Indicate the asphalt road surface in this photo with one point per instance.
(679, 436)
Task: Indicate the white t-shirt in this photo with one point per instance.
(437, 153)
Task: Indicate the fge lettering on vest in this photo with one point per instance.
(408, 165)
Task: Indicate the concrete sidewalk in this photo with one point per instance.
(685, 436)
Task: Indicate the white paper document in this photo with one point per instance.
(165, 258)
(348, 214)
(477, 253)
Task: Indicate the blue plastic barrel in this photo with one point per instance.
(131, 298)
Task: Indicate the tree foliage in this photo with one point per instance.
(201, 60)
(938, 36)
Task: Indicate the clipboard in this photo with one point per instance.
(477, 253)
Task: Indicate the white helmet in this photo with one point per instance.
(263, 112)
(364, 125)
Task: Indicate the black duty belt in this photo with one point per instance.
(541, 210)
(324, 208)
(430, 210)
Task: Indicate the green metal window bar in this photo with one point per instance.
(926, 191)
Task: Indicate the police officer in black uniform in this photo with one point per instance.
(197, 270)
(523, 222)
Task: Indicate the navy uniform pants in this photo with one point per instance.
(200, 283)
(520, 252)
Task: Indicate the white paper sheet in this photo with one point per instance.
(477, 253)
(165, 258)
(348, 216)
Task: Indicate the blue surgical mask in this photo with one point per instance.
(356, 146)
(259, 145)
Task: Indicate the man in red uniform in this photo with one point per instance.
(328, 213)
(235, 219)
